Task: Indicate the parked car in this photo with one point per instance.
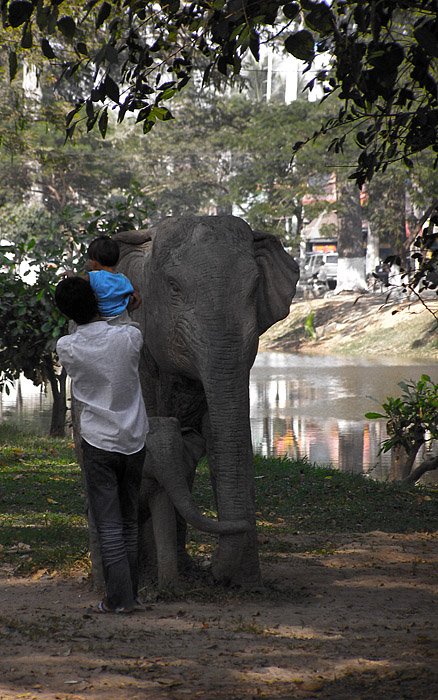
(320, 270)
(328, 272)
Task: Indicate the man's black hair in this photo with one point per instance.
(104, 250)
(76, 299)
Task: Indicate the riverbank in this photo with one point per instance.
(355, 324)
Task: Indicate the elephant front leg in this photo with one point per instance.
(164, 528)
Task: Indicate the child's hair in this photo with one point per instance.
(76, 299)
(104, 250)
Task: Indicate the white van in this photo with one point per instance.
(320, 268)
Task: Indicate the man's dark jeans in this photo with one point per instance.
(113, 483)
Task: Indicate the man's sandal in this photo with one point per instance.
(101, 609)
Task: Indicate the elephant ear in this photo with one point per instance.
(132, 238)
(279, 277)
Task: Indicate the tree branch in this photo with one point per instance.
(427, 466)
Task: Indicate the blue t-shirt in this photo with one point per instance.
(112, 290)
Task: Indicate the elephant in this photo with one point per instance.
(210, 286)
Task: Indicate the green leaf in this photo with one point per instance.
(103, 122)
(47, 49)
(301, 45)
(19, 12)
(254, 45)
(71, 114)
(69, 132)
(427, 37)
(161, 113)
(89, 109)
(103, 14)
(147, 125)
(291, 10)
(26, 39)
(13, 65)
(67, 26)
(42, 16)
(111, 89)
(320, 19)
(81, 48)
(111, 54)
(53, 17)
(372, 415)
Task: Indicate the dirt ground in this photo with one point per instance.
(358, 621)
(367, 324)
(354, 622)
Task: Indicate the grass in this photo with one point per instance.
(298, 498)
(43, 526)
(42, 522)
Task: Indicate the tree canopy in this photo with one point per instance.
(134, 57)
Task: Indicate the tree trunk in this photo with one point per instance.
(428, 465)
(403, 461)
(396, 202)
(351, 258)
(58, 384)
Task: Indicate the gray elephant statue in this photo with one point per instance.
(210, 285)
(171, 458)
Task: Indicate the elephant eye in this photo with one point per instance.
(174, 287)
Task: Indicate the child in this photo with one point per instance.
(114, 291)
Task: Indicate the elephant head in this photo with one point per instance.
(210, 287)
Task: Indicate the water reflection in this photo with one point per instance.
(314, 406)
(27, 406)
(301, 405)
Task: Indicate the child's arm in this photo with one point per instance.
(134, 299)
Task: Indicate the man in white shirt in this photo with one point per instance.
(102, 361)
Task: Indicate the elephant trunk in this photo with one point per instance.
(231, 463)
(164, 458)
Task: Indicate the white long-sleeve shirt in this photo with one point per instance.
(102, 361)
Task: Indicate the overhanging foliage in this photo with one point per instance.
(138, 55)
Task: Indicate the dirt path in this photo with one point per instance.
(355, 622)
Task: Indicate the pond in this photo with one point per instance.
(301, 405)
(315, 405)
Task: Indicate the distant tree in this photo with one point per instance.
(351, 255)
(264, 184)
(383, 58)
(381, 62)
(386, 209)
(30, 322)
(411, 425)
(29, 326)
